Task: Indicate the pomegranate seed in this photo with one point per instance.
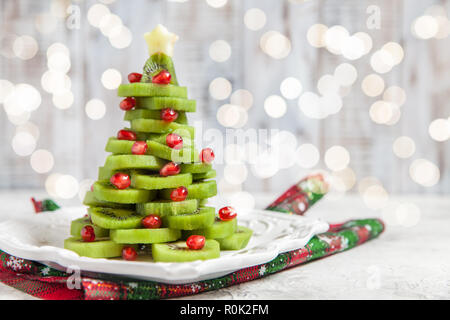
(207, 155)
(92, 187)
(195, 242)
(126, 135)
(120, 180)
(127, 103)
(151, 221)
(227, 213)
(139, 147)
(179, 194)
(174, 141)
(134, 77)
(88, 234)
(170, 169)
(169, 115)
(162, 78)
(129, 253)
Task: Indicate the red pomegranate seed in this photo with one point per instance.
(126, 135)
(195, 242)
(227, 213)
(170, 169)
(120, 180)
(139, 147)
(162, 78)
(179, 194)
(169, 115)
(207, 155)
(127, 103)
(152, 221)
(88, 234)
(174, 141)
(134, 77)
(129, 253)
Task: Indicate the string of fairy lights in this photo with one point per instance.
(21, 100)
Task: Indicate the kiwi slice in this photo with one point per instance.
(96, 249)
(154, 182)
(167, 208)
(151, 114)
(198, 167)
(140, 89)
(109, 218)
(238, 240)
(220, 229)
(197, 190)
(155, 64)
(203, 176)
(202, 218)
(179, 252)
(117, 162)
(159, 235)
(159, 126)
(78, 224)
(105, 192)
(158, 103)
(202, 202)
(91, 201)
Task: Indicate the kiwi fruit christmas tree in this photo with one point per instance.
(152, 192)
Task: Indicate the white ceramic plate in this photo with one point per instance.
(40, 237)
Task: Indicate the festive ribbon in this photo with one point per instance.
(47, 283)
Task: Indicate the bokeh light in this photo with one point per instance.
(335, 38)
(59, 62)
(55, 82)
(425, 27)
(95, 109)
(220, 51)
(66, 186)
(23, 98)
(439, 129)
(404, 147)
(381, 111)
(316, 35)
(352, 48)
(327, 84)
(395, 50)
(42, 161)
(255, 19)
(220, 88)
(275, 106)
(111, 79)
(25, 47)
(235, 173)
(337, 158)
(108, 23)
(375, 197)
(424, 172)
(243, 98)
(345, 74)
(372, 85)
(233, 116)
(23, 143)
(120, 37)
(291, 88)
(311, 106)
(307, 155)
(395, 95)
(6, 88)
(366, 40)
(64, 100)
(382, 61)
(242, 201)
(275, 44)
(96, 13)
(216, 3)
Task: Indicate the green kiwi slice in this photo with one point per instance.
(140, 89)
(117, 162)
(151, 114)
(95, 249)
(202, 202)
(91, 201)
(220, 229)
(198, 167)
(179, 252)
(78, 224)
(197, 190)
(105, 192)
(202, 218)
(155, 64)
(203, 176)
(159, 235)
(167, 208)
(159, 126)
(154, 182)
(158, 103)
(238, 240)
(109, 218)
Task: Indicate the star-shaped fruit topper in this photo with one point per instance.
(160, 40)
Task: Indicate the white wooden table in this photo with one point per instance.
(403, 263)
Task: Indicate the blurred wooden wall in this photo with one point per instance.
(77, 142)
